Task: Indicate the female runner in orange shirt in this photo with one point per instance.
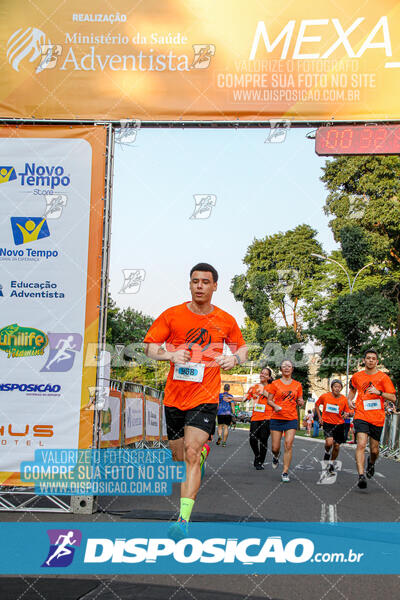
(284, 395)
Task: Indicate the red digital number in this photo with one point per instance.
(380, 137)
(346, 138)
(365, 138)
(332, 138)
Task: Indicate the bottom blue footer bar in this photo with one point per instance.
(214, 548)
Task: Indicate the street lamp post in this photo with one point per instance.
(351, 287)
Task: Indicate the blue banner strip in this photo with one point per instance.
(214, 548)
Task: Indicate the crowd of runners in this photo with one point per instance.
(193, 337)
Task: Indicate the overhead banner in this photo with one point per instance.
(192, 59)
(51, 226)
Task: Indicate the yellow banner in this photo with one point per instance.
(200, 59)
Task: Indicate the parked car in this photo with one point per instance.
(243, 416)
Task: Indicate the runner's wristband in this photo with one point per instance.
(238, 359)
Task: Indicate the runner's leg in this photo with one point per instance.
(225, 431)
(373, 450)
(328, 448)
(287, 457)
(194, 441)
(263, 435)
(335, 451)
(362, 439)
(253, 441)
(176, 447)
(276, 437)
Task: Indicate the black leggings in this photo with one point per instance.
(259, 434)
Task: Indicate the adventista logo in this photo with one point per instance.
(7, 174)
(62, 547)
(22, 341)
(26, 44)
(29, 229)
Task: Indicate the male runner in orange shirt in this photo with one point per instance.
(334, 409)
(259, 424)
(373, 389)
(194, 334)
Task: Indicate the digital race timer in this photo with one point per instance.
(358, 139)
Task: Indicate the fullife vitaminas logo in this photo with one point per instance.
(20, 341)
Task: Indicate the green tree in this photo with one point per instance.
(363, 201)
(363, 198)
(281, 278)
(128, 327)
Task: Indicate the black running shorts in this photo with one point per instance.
(334, 431)
(373, 431)
(224, 419)
(202, 417)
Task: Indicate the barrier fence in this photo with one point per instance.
(390, 439)
(132, 415)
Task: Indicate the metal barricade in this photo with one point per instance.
(394, 437)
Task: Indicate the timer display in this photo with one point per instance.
(358, 139)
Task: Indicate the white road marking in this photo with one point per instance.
(323, 513)
(332, 513)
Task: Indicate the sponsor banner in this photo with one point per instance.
(108, 472)
(161, 60)
(110, 424)
(134, 422)
(152, 407)
(50, 215)
(212, 548)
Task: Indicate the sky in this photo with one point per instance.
(258, 188)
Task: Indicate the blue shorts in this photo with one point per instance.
(282, 424)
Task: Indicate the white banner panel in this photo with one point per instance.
(152, 419)
(45, 186)
(111, 420)
(133, 418)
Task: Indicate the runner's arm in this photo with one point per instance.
(270, 401)
(351, 396)
(318, 413)
(228, 361)
(157, 352)
(384, 395)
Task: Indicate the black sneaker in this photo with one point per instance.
(362, 482)
(275, 461)
(331, 469)
(327, 455)
(259, 467)
(370, 469)
(218, 441)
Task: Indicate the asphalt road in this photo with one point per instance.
(233, 490)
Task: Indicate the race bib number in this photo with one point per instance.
(372, 404)
(189, 372)
(332, 408)
(259, 408)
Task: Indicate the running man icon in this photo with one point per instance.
(62, 550)
(62, 547)
(63, 348)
